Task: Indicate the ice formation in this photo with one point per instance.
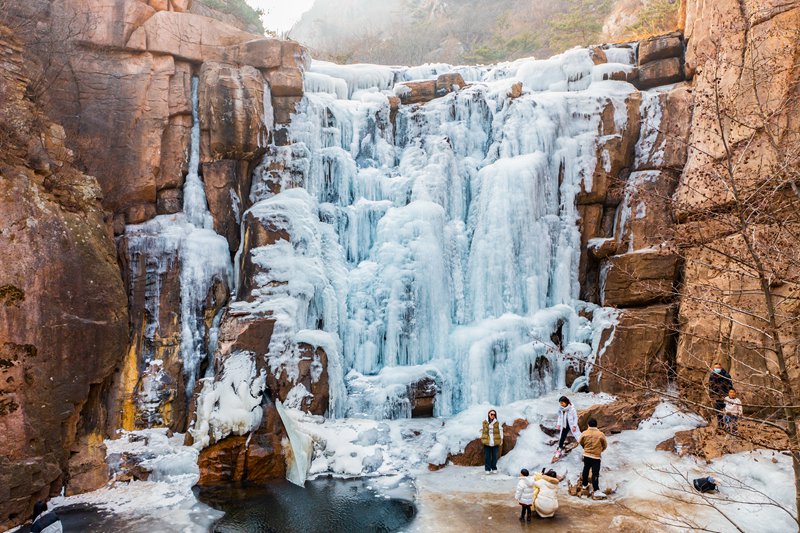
(437, 242)
(188, 240)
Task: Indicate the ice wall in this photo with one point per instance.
(187, 242)
(442, 239)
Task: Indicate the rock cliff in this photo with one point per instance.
(63, 311)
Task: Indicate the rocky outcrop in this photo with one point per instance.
(62, 307)
(660, 61)
(623, 414)
(144, 53)
(473, 451)
(255, 458)
(419, 92)
(641, 350)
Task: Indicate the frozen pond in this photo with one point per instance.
(324, 505)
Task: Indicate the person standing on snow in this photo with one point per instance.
(44, 522)
(492, 439)
(594, 444)
(567, 423)
(719, 383)
(524, 494)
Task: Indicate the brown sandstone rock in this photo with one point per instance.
(189, 37)
(668, 131)
(105, 23)
(180, 6)
(284, 107)
(660, 72)
(615, 151)
(473, 451)
(422, 396)
(640, 278)
(660, 47)
(62, 308)
(227, 186)
(420, 92)
(255, 458)
(312, 373)
(623, 414)
(231, 112)
(285, 81)
(709, 443)
(128, 164)
(639, 350)
(175, 144)
(644, 217)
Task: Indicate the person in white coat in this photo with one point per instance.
(545, 497)
(524, 494)
(567, 422)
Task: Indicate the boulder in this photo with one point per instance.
(640, 278)
(709, 443)
(181, 6)
(420, 92)
(254, 458)
(640, 349)
(231, 113)
(285, 81)
(660, 72)
(623, 414)
(263, 53)
(473, 451)
(660, 47)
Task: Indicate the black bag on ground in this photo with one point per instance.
(705, 484)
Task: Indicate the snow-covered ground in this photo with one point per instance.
(645, 481)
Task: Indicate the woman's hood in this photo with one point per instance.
(549, 479)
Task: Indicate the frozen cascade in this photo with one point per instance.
(440, 241)
(188, 240)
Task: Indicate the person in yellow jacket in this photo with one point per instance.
(594, 444)
(492, 439)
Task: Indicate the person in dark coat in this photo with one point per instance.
(44, 522)
(719, 383)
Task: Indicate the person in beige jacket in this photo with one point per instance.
(594, 444)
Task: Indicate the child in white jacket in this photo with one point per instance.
(545, 499)
(524, 494)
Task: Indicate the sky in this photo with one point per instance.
(281, 14)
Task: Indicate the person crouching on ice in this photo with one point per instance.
(524, 494)
(545, 498)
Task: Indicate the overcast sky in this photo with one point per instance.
(281, 14)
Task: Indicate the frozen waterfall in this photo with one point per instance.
(440, 241)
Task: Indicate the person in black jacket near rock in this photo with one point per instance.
(719, 383)
(44, 522)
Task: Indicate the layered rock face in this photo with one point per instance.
(736, 200)
(121, 83)
(63, 310)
